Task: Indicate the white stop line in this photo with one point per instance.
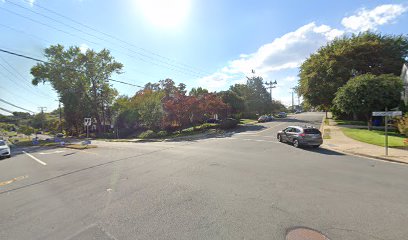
(36, 159)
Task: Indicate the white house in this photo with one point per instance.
(404, 77)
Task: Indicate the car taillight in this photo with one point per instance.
(302, 134)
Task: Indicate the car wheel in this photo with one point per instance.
(296, 143)
(279, 138)
(9, 156)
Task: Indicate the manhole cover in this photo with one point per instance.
(305, 234)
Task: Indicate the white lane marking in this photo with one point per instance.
(36, 159)
(271, 127)
(45, 153)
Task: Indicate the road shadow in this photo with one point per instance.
(323, 151)
(18, 150)
(225, 134)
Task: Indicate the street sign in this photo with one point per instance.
(388, 114)
(87, 121)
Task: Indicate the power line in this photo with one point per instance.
(4, 101)
(112, 36)
(21, 55)
(17, 83)
(26, 33)
(181, 70)
(125, 83)
(6, 110)
(39, 60)
(14, 93)
(22, 77)
(36, 21)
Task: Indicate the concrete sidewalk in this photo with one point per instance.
(340, 142)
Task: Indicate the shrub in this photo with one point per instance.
(209, 126)
(402, 124)
(148, 134)
(162, 134)
(228, 123)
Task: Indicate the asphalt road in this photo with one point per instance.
(244, 185)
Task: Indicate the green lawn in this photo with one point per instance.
(350, 122)
(375, 137)
(247, 121)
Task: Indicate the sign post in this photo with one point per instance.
(87, 123)
(386, 133)
(387, 114)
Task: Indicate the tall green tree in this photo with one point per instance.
(235, 101)
(367, 93)
(151, 110)
(81, 81)
(256, 98)
(197, 92)
(324, 72)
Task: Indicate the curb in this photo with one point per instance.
(366, 156)
(322, 124)
(359, 154)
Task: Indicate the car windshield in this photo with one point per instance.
(203, 119)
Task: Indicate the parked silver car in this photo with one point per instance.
(4, 149)
(301, 136)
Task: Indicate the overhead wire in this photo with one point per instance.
(170, 66)
(6, 110)
(48, 63)
(112, 36)
(18, 75)
(15, 93)
(17, 82)
(11, 104)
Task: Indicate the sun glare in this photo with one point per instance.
(165, 13)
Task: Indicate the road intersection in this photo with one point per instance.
(242, 185)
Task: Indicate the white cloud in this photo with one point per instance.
(286, 52)
(31, 2)
(280, 59)
(83, 47)
(370, 19)
(215, 82)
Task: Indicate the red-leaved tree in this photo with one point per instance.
(179, 110)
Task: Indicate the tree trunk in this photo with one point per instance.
(370, 122)
(355, 117)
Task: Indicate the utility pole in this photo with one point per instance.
(386, 131)
(271, 85)
(42, 116)
(59, 106)
(293, 99)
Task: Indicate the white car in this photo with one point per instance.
(4, 149)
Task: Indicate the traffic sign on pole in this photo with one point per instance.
(87, 121)
(389, 114)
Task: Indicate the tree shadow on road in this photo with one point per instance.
(225, 134)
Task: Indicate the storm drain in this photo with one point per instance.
(302, 233)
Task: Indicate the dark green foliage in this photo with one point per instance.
(324, 72)
(367, 93)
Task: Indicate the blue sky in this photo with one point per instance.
(209, 43)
